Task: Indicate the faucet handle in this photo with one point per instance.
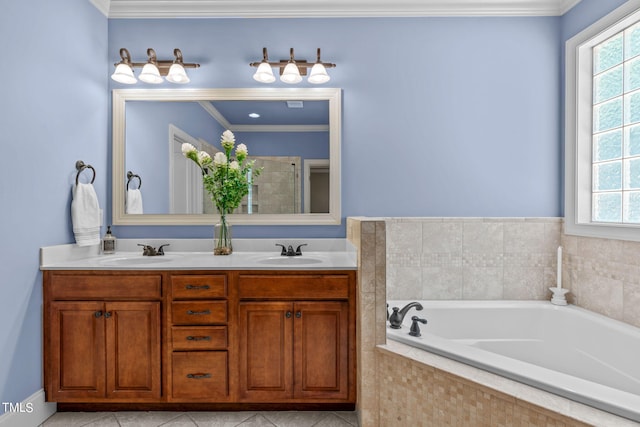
(298, 251)
(161, 250)
(415, 328)
(284, 249)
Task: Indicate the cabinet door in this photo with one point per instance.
(133, 350)
(265, 330)
(77, 352)
(321, 346)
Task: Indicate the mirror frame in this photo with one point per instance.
(121, 96)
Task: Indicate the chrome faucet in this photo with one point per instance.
(396, 318)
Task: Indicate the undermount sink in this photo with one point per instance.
(137, 260)
(289, 260)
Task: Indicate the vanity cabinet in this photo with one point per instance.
(102, 337)
(296, 337)
(204, 339)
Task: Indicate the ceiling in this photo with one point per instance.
(328, 8)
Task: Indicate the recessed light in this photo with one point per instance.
(254, 115)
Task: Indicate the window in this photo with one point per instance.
(602, 141)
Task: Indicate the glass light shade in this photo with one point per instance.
(291, 74)
(124, 74)
(318, 74)
(177, 74)
(150, 74)
(264, 74)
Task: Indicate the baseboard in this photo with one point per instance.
(29, 413)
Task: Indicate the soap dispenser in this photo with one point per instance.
(109, 242)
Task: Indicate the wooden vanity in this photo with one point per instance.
(203, 339)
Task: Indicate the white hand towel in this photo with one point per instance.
(85, 215)
(134, 201)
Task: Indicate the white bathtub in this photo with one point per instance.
(567, 350)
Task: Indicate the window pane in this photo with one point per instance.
(632, 207)
(607, 207)
(632, 174)
(632, 108)
(609, 84)
(631, 75)
(632, 141)
(607, 176)
(632, 39)
(608, 54)
(608, 146)
(607, 115)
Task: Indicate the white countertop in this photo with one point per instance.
(197, 254)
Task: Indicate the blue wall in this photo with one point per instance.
(441, 116)
(54, 107)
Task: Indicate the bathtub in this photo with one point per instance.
(568, 351)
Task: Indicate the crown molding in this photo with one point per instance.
(328, 8)
(567, 5)
(102, 6)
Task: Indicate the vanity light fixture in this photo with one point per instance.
(152, 70)
(291, 70)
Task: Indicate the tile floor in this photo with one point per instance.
(203, 419)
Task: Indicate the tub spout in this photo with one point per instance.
(396, 318)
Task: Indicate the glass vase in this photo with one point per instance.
(222, 237)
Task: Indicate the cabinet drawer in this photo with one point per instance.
(303, 286)
(198, 312)
(202, 338)
(102, 287)
(199, 375)
(199, 287)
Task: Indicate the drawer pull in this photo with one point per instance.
(198, 313)
(198, 376)
(199, 338)
(197, 287)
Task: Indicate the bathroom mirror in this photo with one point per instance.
(296, 141)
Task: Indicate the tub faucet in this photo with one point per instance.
(396, 318)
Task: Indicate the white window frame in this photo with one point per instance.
(579, 129)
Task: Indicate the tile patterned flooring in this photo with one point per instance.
(203, 419)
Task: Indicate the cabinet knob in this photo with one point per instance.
(288, 315)
(107, 315)
(298, 314)
(97, 314)
(198, 376)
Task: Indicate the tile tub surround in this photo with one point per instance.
(368, 236)
(471, 258)
(603, 275)
(421, 388)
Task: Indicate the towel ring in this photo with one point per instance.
(130, 176)
(80, 166)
